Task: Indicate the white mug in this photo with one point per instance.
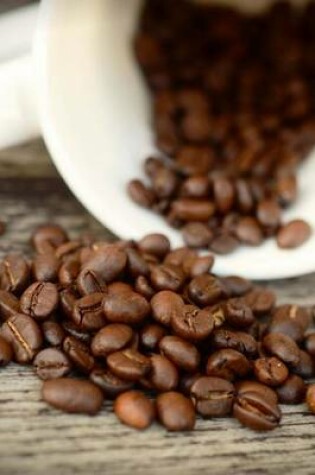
(93, 111)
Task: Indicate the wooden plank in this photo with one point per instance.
(35, 439)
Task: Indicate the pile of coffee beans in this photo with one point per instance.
(152, 329)
(233, 115)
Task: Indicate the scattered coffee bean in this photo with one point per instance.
(129, 364)
(39, 300)
(182, 353)
(292, 391)
(45, 267)
(270, 371)
(175, 411)
(9, 304)
(88, 312)
(227, 364)
(213, 397)
(79, 354)
(111, 338)
(293, 234)
(283, 347)
(51, 363)
(134, 409)
(14, 273)
(255, 412)
(48, 237)
(110, 384)
(193, 324)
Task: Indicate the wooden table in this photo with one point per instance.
(35, 439)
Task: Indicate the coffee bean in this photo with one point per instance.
(305, 367)
(269, 213)
(227, 364)
(68, 251)
(53, 333)
(51, 363)
(14, 273)
(140, 194)
(74, 330)
(143, 287)
(244, 196)
(286, 189)
(283, 347)
(212, 397)
(249, 232)
(239, 341)
(261, 301)
(293, 234)
(292, 391)
(156, 244)
(163, 375)
(67, 300)
(197, 235)
(110, 384)
(129, 364)
(137, 265)
(195, 187)
(79, 354)
(45, 267)
(205, 290)
(177, 257)
(164, 304)
(187, 209)
(194, 160)
(282, 323)
(108, 262)
(88, 312)
(24, 335)
(191, 323)
(310, 398)
(151, 335)
(68, 272)
(73, 395)
(39, 300)
(48, 237)
(224, 194)
(270, 371)
(6, 352)
(9, 304)
(224, 243)
(255, 412)
(125, 307)
(167, 277)
(182, 353)
(237, 286)
(89, 282)
(198, 265)
(243, 387)
(175, 411)
(111, 338)
(134, 409)
(238, 314)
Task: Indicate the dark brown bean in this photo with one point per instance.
(40, 300)
(89, 282)
(293, 234)
(205, 290)
(255, 412)
(73, 330)
(243, 387)
(73, 395)
(143, 287)
(182, 353)
(125, 307)
(51, 363)
(9, 304)
(194, 160)
(261, 301)
(238, 314)
(269, 213)
(187, 209)
(175, 411)
(156, 244)
(68, 251)
(6, 352)
(195, 187)
(111, 338)
(193, 324)
(197, 235)
(305, 367)
(224, 194)
(53, 333)
(110, 384)
(248, 231)
(134, 409)
(282, 323)
(24, 335)
(270, 371)
(292, 391)
(88, 312)
(286, 189)
(163, 375)
(136, 263)
(151, 335)
(239, 341)
(224, 243)
(283, 347)
(129, 364)
(67, 300)
(79, 354)
(107, 262)
(227, 364)
(198, 265)
(68, 272)
(237, 286)
(167, 277)
(212, 397)
(140, 194)
(48, 237)
(45, 267)
(14, 273)
(164, 304)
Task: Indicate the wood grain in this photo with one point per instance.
(35, 439)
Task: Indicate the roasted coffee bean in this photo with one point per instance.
(310, 344)
(175, 411)
(243, 387)
(40, 300)
(6, 352)
(110, 384)
(270, 371)
(136, 263)
(305, 367)
(224, 243)
(261, 301)
(195, 187)
(163, 375)
(218, 314)
(224, 194)
(111, 338)
(89, 282)
(9, 304)
(152, 165)
(212, 397)
(197, 235)
(187, 209)
(310, 398)
(227, 364)
(74, 330)
(269, 213)
(237, 286)
(156, 244)
(164, 304)
(53, 333)
(88, 312)
(51, 363)
(167, 277)
(45, 267)
(283, 347)
(238, 314)
(198, 265)
(143, 287)
(244, 196)
(140, 194)
(255, 412)
(68, 251)
(182, 353)
(73, 395)
(194, 160)
(178, 256)
(151, 335)
(67, 300)
(48, 237)
(79, 354)
(205, 290)
(286, 189)
(249, 232)
(282, 323)
(108, 262)
(300, 315)
(292, 391)
(129, 364)
(24, 335)
(191, 323)
(293, 234)
(134, 409)
(14, 273)
(68, 272)
(125, 307)
(239, 341)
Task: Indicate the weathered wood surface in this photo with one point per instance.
(35, 439)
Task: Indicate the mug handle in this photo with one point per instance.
(18, 109)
